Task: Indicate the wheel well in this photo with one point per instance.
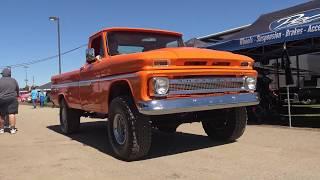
(119, 88)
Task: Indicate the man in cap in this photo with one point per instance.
(9, 91)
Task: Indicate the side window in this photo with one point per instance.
(113, 45)
(97, 45)
(173, 44)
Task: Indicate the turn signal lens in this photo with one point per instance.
(161, 62)
(245, 64)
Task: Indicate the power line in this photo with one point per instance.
(42, 60)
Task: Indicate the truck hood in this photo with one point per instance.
(178, 58)
(192, 54)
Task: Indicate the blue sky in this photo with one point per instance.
(26, 33)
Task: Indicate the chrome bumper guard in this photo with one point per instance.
(171, 106)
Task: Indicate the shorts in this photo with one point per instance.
(9, 106)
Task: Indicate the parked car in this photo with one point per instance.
(23, 96)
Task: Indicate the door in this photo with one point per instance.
(90, 74)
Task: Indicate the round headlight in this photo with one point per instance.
(161, 85)
(251, 83)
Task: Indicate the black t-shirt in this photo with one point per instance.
(8, 88)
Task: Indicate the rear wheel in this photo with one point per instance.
(129, 131)
(69, 118)
(227, 125)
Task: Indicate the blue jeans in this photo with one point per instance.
(34, 102)
(41, 101)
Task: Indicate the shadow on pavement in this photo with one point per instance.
(307, 122)
(94, 134)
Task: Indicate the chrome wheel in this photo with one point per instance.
(120, 129)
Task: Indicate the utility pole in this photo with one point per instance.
(26, 80)
(32, 81)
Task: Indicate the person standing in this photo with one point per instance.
(42, 98)
(9, 91)
(34, 97)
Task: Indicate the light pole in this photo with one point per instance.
(54, 18)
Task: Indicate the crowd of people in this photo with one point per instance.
(38, 96)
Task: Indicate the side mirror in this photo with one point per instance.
(90, 55)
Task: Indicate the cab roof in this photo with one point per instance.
(137, 30)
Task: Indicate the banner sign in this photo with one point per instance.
(298, 26)
(287, 28)
(305, 17)
(288, 34)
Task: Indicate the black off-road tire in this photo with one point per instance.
(227, 125)
(69, 118)
(137, 139)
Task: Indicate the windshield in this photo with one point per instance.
(133, 42)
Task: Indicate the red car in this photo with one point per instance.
(23, 96)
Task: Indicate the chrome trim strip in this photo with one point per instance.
(89, 82)
(119, 77)
(64, 85)
(85, 83)
(180, 105)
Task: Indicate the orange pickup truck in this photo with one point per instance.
(141, 79)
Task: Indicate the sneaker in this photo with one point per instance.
(13, 130)
(1, 131)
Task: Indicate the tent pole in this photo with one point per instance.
(278, 79)
(277, 74)
(289, 106)
(286, 54)
(298, 71)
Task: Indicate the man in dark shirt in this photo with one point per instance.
(9, 91)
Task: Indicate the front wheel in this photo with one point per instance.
(129, 131)
(69, 118)
(227, 125)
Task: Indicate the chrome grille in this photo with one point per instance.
(205, 85)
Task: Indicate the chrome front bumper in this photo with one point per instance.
(171, 106)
